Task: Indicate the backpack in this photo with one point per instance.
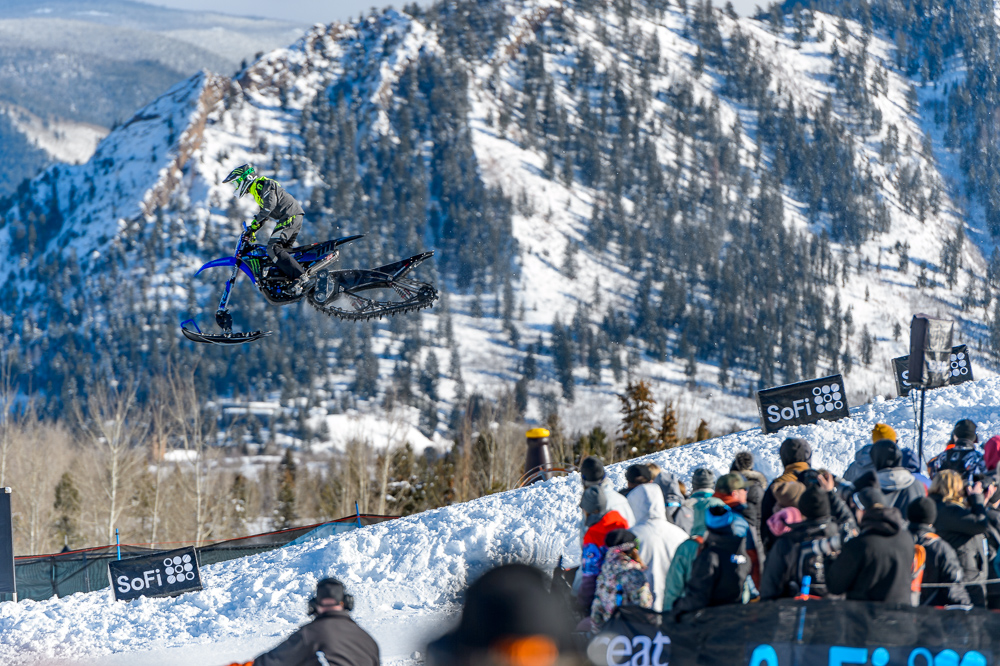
(967, 462)
(681, 516)
(811, 558)
(734, 569)
(917, 570)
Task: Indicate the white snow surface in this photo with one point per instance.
(407, 574)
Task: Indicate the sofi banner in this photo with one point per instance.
(801, 403)
(791, 633)
(161, 575)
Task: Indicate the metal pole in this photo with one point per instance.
(118, 543)
(357, 512)
(920, 435)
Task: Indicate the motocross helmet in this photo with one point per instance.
(242, 178)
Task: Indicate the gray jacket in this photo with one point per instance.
(274, 202)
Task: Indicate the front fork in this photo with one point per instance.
(222, 316)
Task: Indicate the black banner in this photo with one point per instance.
(7, 584)
(930, 340)
(801, 403)
(162, 575)
(960, 369)
(793, 633)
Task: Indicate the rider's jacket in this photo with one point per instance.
(274, 202)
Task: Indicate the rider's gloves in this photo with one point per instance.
(254, 228)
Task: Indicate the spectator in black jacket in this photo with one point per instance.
(795, 455)
(333, 633)
(794, 550)
(941, 565)
(961, 454)
(897, 483)
(875, 565)
(721, 570)
(963, 523)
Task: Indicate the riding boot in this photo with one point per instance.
(285, 262)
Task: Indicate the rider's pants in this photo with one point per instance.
(282, 240)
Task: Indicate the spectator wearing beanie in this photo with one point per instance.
(508, 611)
(756, 485)
(658, 538)
(782, 577)
(941, 563)
(703, 482)
(673, 498)
(732, 490)
(592, 474)
(897, 483)
(863, 457)
(622, 577)
(960, 453)
(876, 564)
(786, 498)
(600, 521)
(962, 522)
(720, 574)
(795, 455)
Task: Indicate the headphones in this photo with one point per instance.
(331, 588)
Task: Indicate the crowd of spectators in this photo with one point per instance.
(882, 532)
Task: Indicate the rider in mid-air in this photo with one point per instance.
(279, 205)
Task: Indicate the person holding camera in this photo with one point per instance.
(962, 521)
(331, 639)
(807, 549)
(875, 565)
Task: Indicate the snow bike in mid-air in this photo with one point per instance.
(352, 294)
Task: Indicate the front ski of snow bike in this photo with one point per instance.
(222, 316)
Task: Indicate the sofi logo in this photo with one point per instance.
(635, 651)
(766, 655)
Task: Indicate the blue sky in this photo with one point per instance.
(325, 11)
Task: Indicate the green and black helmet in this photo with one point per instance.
(242, 178)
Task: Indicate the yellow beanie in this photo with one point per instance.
(882, 431)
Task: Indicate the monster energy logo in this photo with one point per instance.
(254, 265)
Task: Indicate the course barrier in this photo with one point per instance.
(41, 577)
(796, 633)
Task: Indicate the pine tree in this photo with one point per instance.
(667, 437)
(284, 510)
(67, 506)
(636, 431)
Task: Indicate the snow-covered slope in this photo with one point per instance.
(175, 166)
(407, 574)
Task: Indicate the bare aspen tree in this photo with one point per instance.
(191, 427)
(114, 425)
(384, 462)
(10, 420)
(40, 452)
(161, 421)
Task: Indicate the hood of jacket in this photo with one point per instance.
(598, 532)
(891, 479)
(669, 486)
(647, 503)
(791, 472)
(883, 521)
(753, 476)
(863, 456)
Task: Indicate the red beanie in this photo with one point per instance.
(991, 452)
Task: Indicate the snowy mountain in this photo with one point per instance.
(406, 574)
(634, 190)
(69, 69)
